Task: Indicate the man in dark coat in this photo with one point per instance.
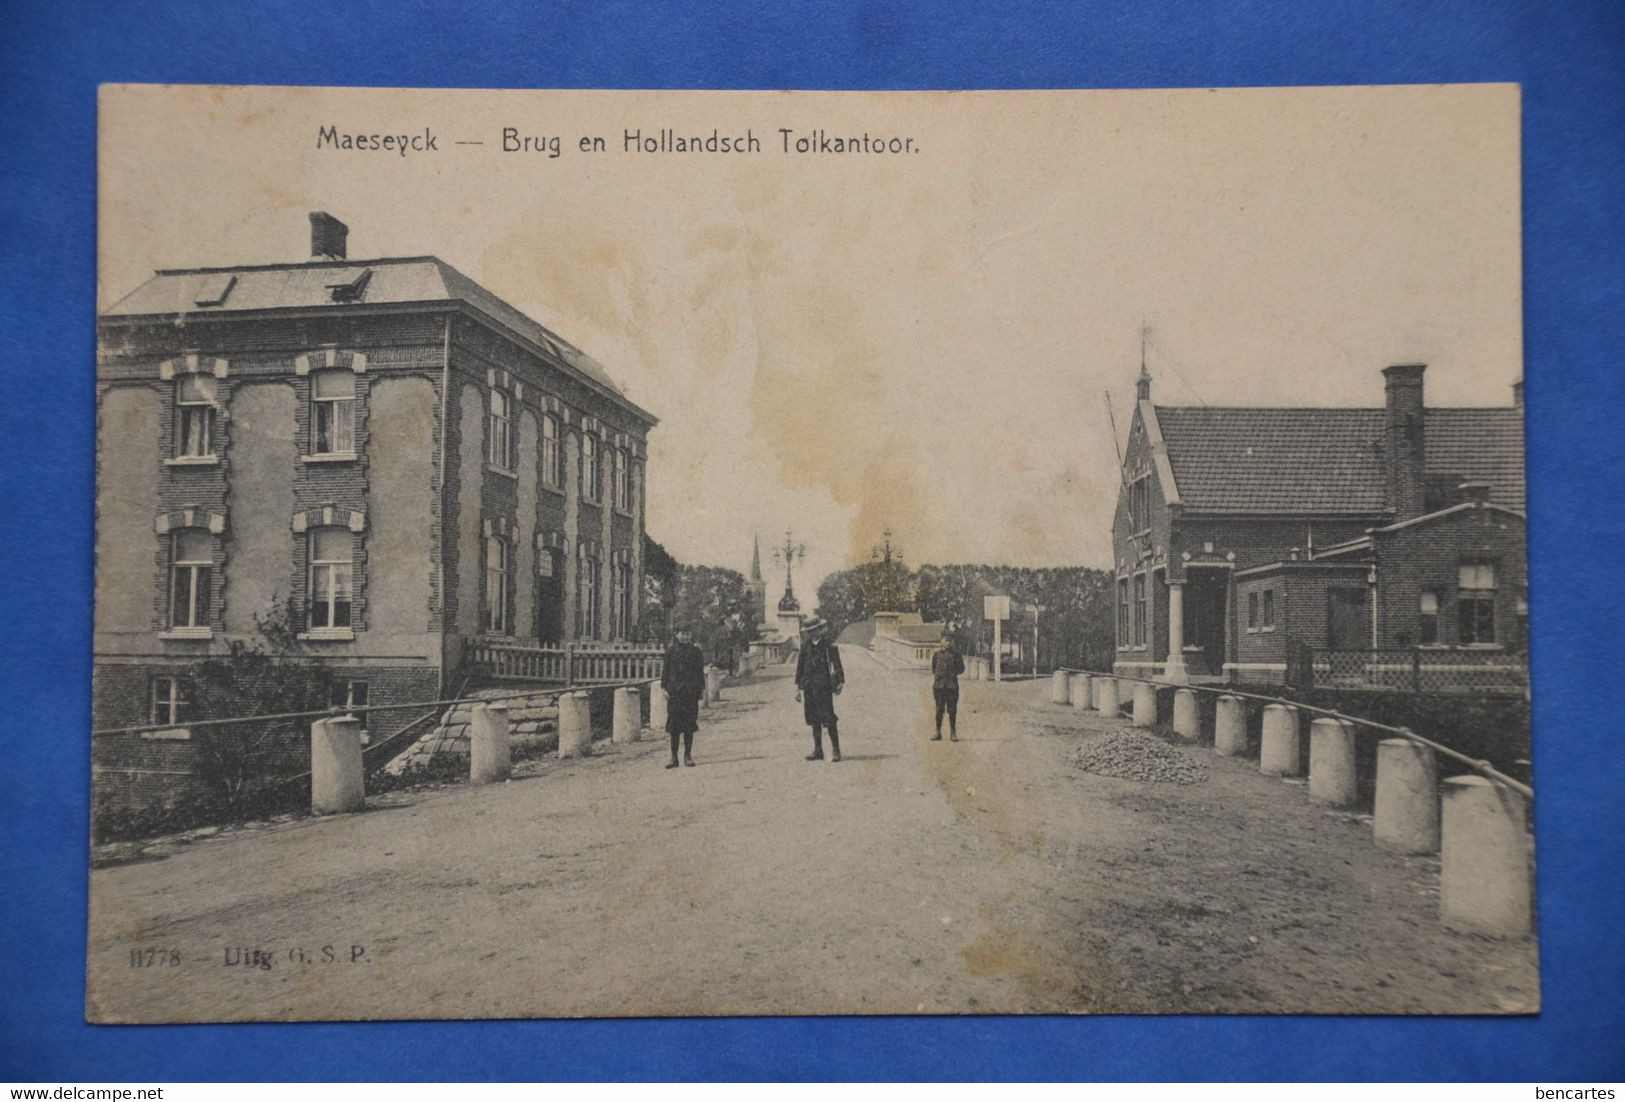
(946, 666)
(819, 678)
(683, 678)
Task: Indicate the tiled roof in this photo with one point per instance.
(920, 633)
(1270, 460)
(1479, 445)
(392, 281)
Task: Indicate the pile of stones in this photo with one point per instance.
(1137, 757)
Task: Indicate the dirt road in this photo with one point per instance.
(987, 876)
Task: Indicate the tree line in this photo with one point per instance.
(1070, 606)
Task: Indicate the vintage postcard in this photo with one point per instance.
(618, 554)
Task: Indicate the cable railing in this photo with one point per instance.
(337, 711)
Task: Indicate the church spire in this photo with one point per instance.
(755, 558)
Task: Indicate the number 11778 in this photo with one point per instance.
(155, 958)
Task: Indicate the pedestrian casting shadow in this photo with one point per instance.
(728, 761)
(867, 757)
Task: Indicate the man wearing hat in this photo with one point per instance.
(683, 678)
(819, 678)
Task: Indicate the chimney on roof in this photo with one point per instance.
(1517, 393)
(1476, 492)
(1404, 441)
(327, 236)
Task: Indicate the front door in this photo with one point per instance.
(1346, 627)
(1204, 620)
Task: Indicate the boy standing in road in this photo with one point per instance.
(819, 679)
(946, 666)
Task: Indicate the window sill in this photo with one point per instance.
(192, 461)
(1267, 630)
(492, 468)
(329, 457)
(328, 635)
(197, 634)
(1482, 646)
(173, 734)
(552, 488)
(620, 512)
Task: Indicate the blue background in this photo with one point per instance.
(1570, 59)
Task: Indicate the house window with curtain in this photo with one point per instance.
(1122, 612)
(1139, 610)
(191, 573)
(170, 701)
(331, 579)
(499, 425)
(332, 413)
(196, 399)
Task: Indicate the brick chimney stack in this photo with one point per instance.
(327, 236)
(1517, 393)
(1404, 441)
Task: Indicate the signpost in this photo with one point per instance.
(997, 609)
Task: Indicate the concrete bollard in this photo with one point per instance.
(489, 757)
(1145, 704)
(1060, 688)
(1230, 727)
(1080, 686)
(1485, 878)
(1406, 818)
(1279, 751)
(337, 783)
(657, 707)
(713, 685)
(1106, 696)
(1186, 723)
(628, 722)
(575, 724)
(1331, 762)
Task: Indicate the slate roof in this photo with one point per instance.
(920, 633)
(1275, 460)
(416, 280)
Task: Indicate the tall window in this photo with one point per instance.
(1122, 612)
(622, 602)
(497, 618)
(501, 431)
(552, 456)
(1252, 612)
(170, 701)
(1140, 503)
(623, 489)
(587, 598)
(1139, 610)
(332, 413)
(191, 558)
(591, 475)
(1428, 611)
(1475, 602)
(196, 397)
(1269, 608)
(331, 578)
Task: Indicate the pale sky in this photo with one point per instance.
(923, 341)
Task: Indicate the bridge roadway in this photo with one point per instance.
(988, 876)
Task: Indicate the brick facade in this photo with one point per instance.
(426, 360)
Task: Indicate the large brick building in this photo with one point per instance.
(411, 460)
(1246, 537)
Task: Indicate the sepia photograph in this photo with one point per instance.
(615, 554)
